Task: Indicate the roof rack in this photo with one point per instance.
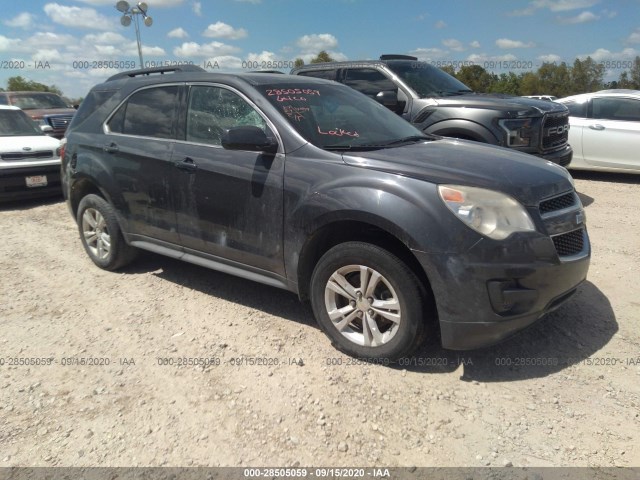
(156, 70)
(394, 56)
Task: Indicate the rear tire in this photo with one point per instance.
(100, 234)
(369, 303)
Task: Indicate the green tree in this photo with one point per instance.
(16, 84)
(586, 76)
(635, 74)
(322, 57)
(554, 79)
(298, 62)
(476, 78)
(450, 69)
(530, 84)
(508, 83)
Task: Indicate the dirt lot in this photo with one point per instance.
(564, 392)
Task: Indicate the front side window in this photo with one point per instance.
(147, 113)
(623, 109)
(577, 109)
(368, 81)
(325, 74)
(212, 110)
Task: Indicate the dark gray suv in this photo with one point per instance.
(437, 103)
(309, 186)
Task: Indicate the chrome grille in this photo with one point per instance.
(26, 155)
(570, 243)
(59, 121)
(550, 136)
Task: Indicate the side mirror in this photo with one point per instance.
(46, 128)
(248, 137)
(388, 98)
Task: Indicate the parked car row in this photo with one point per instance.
(393, 234)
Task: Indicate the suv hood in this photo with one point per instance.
(524, 106)
(448, 161)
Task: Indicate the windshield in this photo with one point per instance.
(31, 102)
(427, 80)
(16, 123)
(337, 117)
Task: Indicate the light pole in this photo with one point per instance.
(129, 12)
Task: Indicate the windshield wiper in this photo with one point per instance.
(410, 138)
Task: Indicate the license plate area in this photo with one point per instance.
(35, 181)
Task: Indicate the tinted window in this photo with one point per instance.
(326, 74)
(427, 80)
(625, 109)
(577, 109)
(90, 104)
(213, 110)
(368, 81)
(3, 100)
(148, 113)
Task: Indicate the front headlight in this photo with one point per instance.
(490, 213)
(519, 131)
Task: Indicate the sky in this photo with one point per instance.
(74, 44)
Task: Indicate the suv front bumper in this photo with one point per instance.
(562, 157)
(481, 301)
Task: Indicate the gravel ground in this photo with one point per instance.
(163, 385)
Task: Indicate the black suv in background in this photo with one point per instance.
(307, 185)
(437, 103)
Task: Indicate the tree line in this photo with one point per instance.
(551, 78)
(558, 79)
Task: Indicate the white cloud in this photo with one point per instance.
(553, 5)
(178, 33)
(453, 44)
(475, 44)
(314, 43)
(264, 56)
(584, 17)
(563, 5)
(550, 58)
(152, 3)
(77, 17)
(223, 30)
(440, 24)
(197, 8)
(481, 58)
(102, 38)
(603, 55)
(224, 62)
(634, 37)
(508, 43)
(213, 49)
(22, 20)
(8, 44)
(428, 54)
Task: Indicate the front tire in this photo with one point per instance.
(101, 235)
(368, 302)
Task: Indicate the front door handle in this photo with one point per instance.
(596, 126)
(111, 148)
(187, 165)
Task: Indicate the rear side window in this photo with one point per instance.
(147, 113)
(93, 101)
(624, 109)
(368, 81)
(325, 74)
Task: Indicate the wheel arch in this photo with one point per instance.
(339, 231)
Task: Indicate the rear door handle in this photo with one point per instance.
(111, 148)
(187, 165)
(596, 126)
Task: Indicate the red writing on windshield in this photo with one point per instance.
(338, 132)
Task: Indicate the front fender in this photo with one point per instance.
(461, 128)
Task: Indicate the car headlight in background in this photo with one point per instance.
(519, 131)
(490, 213)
